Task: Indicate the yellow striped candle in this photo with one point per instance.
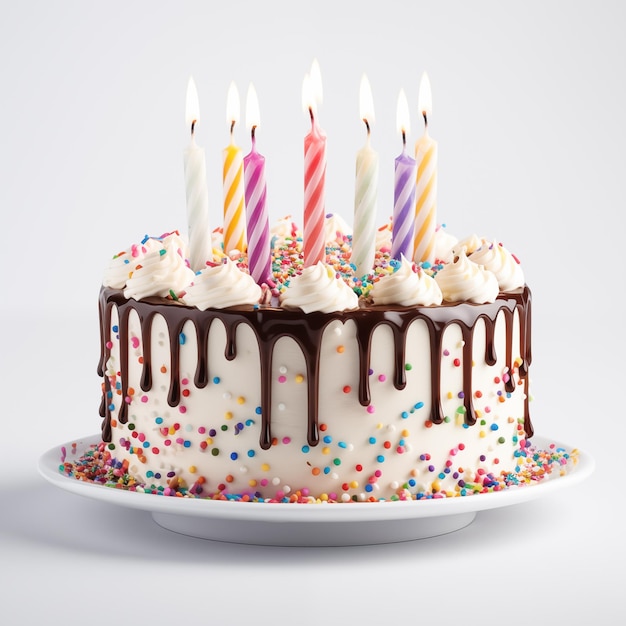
(426, 182)
(233, 182)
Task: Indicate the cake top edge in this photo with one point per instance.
(474, 269)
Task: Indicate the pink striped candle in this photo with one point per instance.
(314, 244)
(404, 190)
(259, 252)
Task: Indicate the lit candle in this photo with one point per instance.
(366, 189)
(426, 185)
(258, 228)
(404, 190)
(234, 218)
(200, 249)
(314, 245)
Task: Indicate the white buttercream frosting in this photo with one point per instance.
(444, 244)
(318, 288)
(161, 271)
(222, 286)
(469, 243)
(383, 237)
(464, 280)
(284, 228)
(497, 259)
(406, 287)
(123, 264)
(335, 228)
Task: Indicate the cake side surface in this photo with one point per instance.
(375, 402)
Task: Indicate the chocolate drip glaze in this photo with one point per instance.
(269, 324)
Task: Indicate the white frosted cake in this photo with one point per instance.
(408, 383)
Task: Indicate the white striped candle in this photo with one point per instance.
(199, 233)
(366, 190)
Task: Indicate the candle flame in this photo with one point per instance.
(312, 92)
(316, 82)
(366, 101)
(403, 122)
(192, 107)
(425, 98)
(252, 108)
(232, 105)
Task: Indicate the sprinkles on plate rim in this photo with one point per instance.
(97, 466)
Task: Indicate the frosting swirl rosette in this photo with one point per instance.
(444, 244)
(335, 228)
(318, 288)
(406, 287)
(284, 228)
(465, 281)
(222, 286)
(383, 238)
(123, 264)
(471, 243)
(161, 271)
(497, 259)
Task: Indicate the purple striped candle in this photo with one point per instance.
(258, 228)
(403, 229)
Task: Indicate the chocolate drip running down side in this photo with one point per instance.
(269, 324)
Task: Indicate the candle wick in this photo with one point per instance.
(253, 132)
(425, 115)
(403, 137)
(193, 126)
(311, 114)
(232, 126)
(367, 125)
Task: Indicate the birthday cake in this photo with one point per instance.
(409, 382)
(321, 365)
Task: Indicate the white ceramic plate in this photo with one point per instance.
(292, 524)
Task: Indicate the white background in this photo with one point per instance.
(529, 111)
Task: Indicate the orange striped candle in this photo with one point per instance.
(426, 182)
(233, 182)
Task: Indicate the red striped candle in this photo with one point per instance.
(259, 252)
(314, 244)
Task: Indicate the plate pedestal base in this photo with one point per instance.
(293, 524)
(317, 534)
